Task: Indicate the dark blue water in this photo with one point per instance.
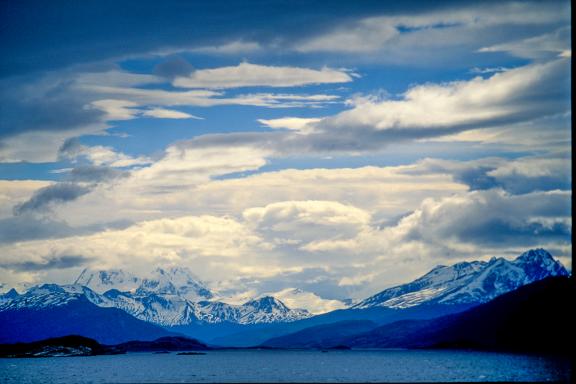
(287, 366)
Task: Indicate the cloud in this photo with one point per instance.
(252, 75)
(304, 125)
(56, 262)
(95, 174)
(230, 48)
(326, 247)
(161, 113)
(46, 197)
(432, 110)
(25, 227)
(422, 31)
(173, 67)
(549, 45)
(208, 98)
(524, 95)
(296, 298)
(522, 175)
(492, 218)
(99, 155)
(13, 192)
(298, 223)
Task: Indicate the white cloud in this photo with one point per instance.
(301, 222)
(100, 155)
(431, 110)
(251, 75)
(207, 98)
(455, 27)
(296, 298)
(116, 109)
(303, 125)
(549, 45)
(161, 113)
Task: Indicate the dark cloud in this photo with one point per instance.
(173, 67)
(27, 227)
(53, 194)
(495, 218)
(51, 105)
(93, 173)
(56, 262)
(517, 176)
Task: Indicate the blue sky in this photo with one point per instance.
(336, 147)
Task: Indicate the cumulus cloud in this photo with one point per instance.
(324, 246)
(250, 75)
(492, 218)
(298, 223)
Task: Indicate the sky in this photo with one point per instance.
(336, 147)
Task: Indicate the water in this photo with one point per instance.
(287, 366)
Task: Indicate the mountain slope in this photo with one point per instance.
(320, 336)
(537, 317)
(63, 315)
(469, 282)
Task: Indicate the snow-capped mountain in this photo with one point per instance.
(469, 282)
(51, 295)
(102, 281)
(165, 297)
(172, 281)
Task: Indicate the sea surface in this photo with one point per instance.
(288, 366)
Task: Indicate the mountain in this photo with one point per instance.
(102, 281)
(469, 282)
(534, 318)
(442, 291)
(175, 297)
(52, 311)
(321, 336)
(172, 281)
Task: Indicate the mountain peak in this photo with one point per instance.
(533, 255)
(472, 282)
(267, 303)
(103, 280)
(538, 264)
